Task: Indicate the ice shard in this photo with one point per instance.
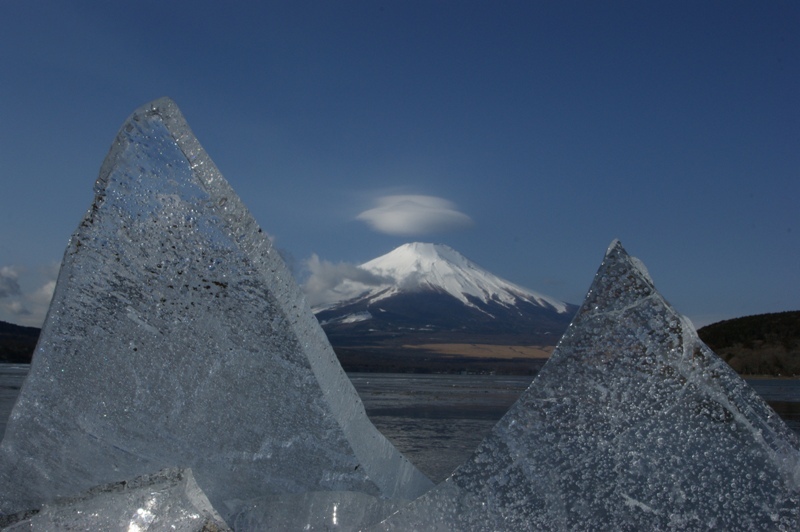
(167, 500)
(633, 424)
(177, 338)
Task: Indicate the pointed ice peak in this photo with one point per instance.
(617, 263)
(177, 337)
(615, 245)
(425, 266)
(634, 424)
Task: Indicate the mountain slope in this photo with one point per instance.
(419, 266)
(431, 293)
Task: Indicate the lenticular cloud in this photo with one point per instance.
(9, 286)
(407, 215)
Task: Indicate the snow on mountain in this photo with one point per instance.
(423, 267)
(429, 294)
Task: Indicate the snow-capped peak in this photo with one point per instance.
(421, 266)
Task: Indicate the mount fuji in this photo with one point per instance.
(422, 293)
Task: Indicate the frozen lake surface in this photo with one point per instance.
(438, 420)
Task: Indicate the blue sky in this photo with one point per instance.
(526, 135)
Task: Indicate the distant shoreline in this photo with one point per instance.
(766, 346)
(487, 351)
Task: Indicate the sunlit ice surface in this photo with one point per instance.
(177, 337)
(633, 424)
(167, 500)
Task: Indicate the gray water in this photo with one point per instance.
(11, 377)
(438, 420)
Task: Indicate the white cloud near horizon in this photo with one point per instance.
(330, 282)
(409, 215)
(21, 306)
(9, 284)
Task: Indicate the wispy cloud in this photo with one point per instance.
(409, 215)
(330, 282)
(9, 285)
(22, 306)
(43, 295)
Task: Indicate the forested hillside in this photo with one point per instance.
(765, 344)
(17, 342)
